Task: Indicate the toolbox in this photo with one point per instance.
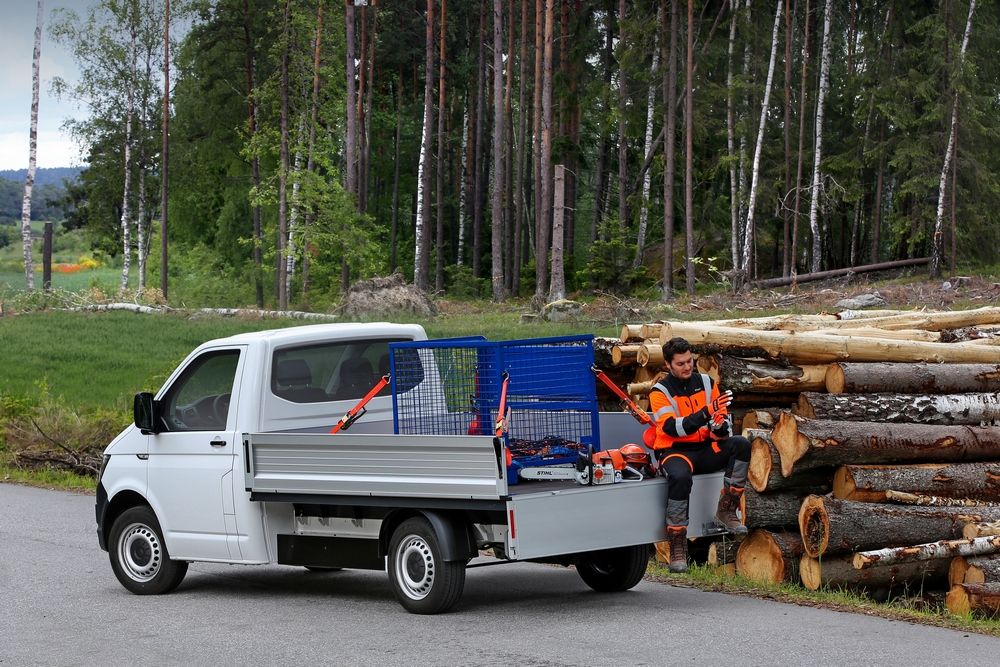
(453, 387)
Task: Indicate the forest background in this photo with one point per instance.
(639, 147)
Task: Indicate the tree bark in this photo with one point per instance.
(824, 84)
(647, 145)
(981, 599)
(942, 549)
(623, 44)
(477, 196)
(284, 160)
(936, 245)
(805, 444)
(803, 96)
(363, 86)
(741, 375)
(394, 229)
(850, 378)
(258, 236)
(497, 218)
(820, 348)
(544, 233)
(734, 188)
(165, 151)
(869, 483)
(970, 409)
(785, 212)
(423, 237)
(439, 199)
(833, 526)
(522, 117)
(669, 124)
(350, 145)
(765, 475)
(974, 570)
(126, 220)
(748, 227)
(557, 279)
(770, 510)
(837, 571)
(689, 151)
(769, 557)
(29, 180)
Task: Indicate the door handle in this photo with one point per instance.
(218, 443)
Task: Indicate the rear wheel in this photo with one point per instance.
(613, 570)
(424, 583)
(139, 555)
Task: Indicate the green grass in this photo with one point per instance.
(105, 278)
(46, 478)
(903, 608)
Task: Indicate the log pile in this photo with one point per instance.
(875, 445)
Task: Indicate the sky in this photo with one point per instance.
(17, 40)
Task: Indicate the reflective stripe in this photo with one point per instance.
(665, 410)
(659, 387)
(707, 382)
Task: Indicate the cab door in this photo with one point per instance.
(190, 469)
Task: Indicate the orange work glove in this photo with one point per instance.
(720, 404)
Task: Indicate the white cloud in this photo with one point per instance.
(54, 150)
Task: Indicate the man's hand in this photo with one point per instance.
(720, 404)
(718, 421)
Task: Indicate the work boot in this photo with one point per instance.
(677, 538)
(725, 514)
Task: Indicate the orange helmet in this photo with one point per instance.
(635, 455)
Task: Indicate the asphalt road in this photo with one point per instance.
(60, 604)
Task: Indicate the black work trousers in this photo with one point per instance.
(685, 459)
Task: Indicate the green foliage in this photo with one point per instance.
(610, 266)
(461, 284)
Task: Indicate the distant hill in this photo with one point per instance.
(43, 176)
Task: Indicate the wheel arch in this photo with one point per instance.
(452, 530)
(123, 500)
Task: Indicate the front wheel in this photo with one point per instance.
(424, 583)
(139, 555)
(613, 570)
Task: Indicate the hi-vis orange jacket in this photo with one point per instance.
(680, 410)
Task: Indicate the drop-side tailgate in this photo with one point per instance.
(452, 467)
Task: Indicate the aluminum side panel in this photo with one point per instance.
(461, 467)
(589, 518)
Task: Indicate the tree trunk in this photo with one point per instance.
(689, 151)
(669, 123)
(477, 195)
(439, 199)
(284, 164)
(748, 227)
(877, 204)
(522, 117)
(350, 145)
(838, 572)
(936, 245)
(770, 510)
(734, 187)
(509, 239)
(557, 279)
(803, 97)
(765, 475)
(769, 557)
(981, 599)
(541, 217)
(623, 44)
(394, 231)
(647, 146)
(930, 321)
(126, 221)
(786, 245)
(29, 180)
(293, 218)
(832, 526)
(869, 483)
(942, 549)
(464, 186)
(974, 570)
(544, 234)
(853, 378)
(423, 238)
(651, 355)
(805, 444)
(258, 236)
(821, 348)
(970, 409)
(497, 221)
(311, 145)
(741, 375)
(363, 86)
(824, 84)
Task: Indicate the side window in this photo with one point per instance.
(199, 399)
(329, 372)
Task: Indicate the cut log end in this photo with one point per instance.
(761, 464)
(791, 444)
(843, 484)
(958, 601)
(957, 570)
(768, 557)
(814, 526)
(803, 408)
(835, 379)
(810, 572)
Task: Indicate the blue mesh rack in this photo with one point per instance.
(452, 387)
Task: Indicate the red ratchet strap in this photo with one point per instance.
(355, 413)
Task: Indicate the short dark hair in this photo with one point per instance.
(673, 347)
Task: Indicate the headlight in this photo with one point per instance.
(104, 464)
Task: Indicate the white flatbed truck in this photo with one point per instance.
(231, 461)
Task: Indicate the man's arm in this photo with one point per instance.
(668, 421)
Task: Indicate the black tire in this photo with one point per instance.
(423, 582)
(613, 570)
(139, 554)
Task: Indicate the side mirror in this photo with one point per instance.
(144, 413)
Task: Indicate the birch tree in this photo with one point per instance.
(647, 144)
(423, 238)
(824, 83)
(284, 164)
(949, 154)
(165, 155)
(126, 219)
(748, 228)
(29, 180)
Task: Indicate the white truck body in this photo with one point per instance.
(247, 473)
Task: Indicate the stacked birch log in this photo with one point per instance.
(875, 445)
